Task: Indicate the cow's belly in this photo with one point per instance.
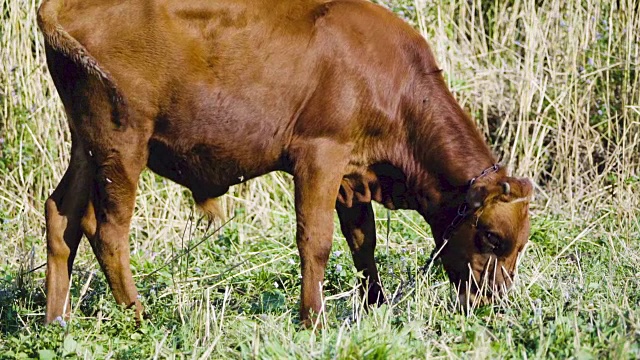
(214, 137)
(208, 169)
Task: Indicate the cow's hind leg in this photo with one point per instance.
(64, 210)
(112, 201)
(358, 226)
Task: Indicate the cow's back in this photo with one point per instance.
(226, 86)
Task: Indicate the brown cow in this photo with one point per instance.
(341, 94)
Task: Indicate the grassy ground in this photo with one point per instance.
(553, 84)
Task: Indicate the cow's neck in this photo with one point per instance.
(448, 151)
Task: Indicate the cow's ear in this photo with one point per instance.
(484, 191)
(345, 193)
(516, 188)
(481, 192)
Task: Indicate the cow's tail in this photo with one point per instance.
(62, 42)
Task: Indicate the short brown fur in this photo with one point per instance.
(341, 94)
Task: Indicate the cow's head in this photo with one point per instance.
(481, 251)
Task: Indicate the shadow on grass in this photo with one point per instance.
(20, 294)
(23, 299)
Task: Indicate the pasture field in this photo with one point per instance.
(553, 84)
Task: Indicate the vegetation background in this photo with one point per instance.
(553, 84)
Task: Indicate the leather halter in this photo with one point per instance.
(463, 210)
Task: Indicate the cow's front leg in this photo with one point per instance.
(358, 226)
(318, 170)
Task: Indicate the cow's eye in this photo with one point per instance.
(492, 240)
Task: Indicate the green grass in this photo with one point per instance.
(578, 295)
(554, 86)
